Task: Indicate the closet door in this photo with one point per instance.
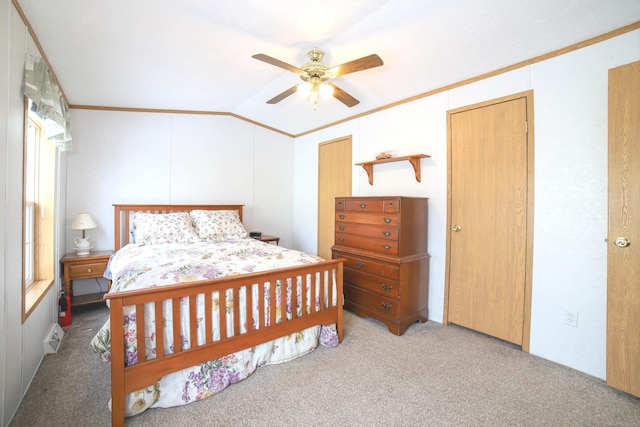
(488, 236)
(334, 179)
(623, 252)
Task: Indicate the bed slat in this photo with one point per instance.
(140, 335)
(193, 321)
(175, 321)
(159, 328)
(249, 309)
(208, 318)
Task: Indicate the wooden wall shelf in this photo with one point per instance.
(414, 159)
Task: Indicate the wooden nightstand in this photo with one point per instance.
(84, 267)
(266, 238)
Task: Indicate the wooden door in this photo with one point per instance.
(623, 253)
(490, 203)
(334, 179)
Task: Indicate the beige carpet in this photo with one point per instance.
(434, 375)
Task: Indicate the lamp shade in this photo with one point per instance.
(83, 221)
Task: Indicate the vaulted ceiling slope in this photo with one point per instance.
(197, 54)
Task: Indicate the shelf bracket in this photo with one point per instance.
(414, 159)
(368, 167)
(415, 162)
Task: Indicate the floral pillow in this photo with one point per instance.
(218, 225)
(153, 229)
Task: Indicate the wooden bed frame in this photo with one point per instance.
(125, 379)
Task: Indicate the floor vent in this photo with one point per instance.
(54, 337)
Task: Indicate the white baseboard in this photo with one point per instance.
(53, 339)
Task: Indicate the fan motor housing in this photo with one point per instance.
(315, 68)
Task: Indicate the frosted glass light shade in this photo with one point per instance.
(326, 90)
(83, 221)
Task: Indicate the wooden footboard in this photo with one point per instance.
(322, 278)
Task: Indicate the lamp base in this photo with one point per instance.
(83, 251)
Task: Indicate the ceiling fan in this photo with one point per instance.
(315, 76)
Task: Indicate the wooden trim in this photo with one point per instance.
(447, 256)
(528, 285)
(534, 60)
(168, 111)
(44, 226)
(34, 295)
(32, 33)
(540, 58)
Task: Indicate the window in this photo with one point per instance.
(38, 211)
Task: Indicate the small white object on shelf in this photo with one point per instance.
(82, 250)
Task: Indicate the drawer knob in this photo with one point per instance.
(341, 239)
(360, 264)
(89, 270)
(386, 287)
(363, 205)
(386, 233)
(387, 220)
(341, 228)
(386, 247)
(341, 216)
(386, 306)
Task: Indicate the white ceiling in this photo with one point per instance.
(196, 54)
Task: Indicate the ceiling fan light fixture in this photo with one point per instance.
(314, 74)
(304, 89)
(326, 90)
(313, 97)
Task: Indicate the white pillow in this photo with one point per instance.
(218, 225)
(152, 229)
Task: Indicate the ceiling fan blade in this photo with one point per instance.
(370, 61)
(273, 61)
(283, 95)
(343, 96)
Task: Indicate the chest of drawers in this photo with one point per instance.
(386, 275)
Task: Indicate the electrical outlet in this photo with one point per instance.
(571, 318)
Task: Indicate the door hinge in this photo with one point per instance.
(526, 127)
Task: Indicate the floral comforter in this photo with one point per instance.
(141, 266)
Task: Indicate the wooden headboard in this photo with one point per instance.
(124, 213)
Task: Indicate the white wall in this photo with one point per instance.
(21, 345)
(122, 157)
(5, 13)
(570, 213)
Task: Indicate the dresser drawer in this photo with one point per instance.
(360, 205)
(361, 264)
(374, 204)
(391, 206)
(390, 233)
(370, 300)
(390, 219)
(86, 270)
(369, 265)
(387, 247)
(377, 284)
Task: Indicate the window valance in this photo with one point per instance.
(48, 102)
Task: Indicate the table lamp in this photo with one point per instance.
(83, 221)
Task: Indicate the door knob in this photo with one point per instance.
(622, 242)
(456, 228)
